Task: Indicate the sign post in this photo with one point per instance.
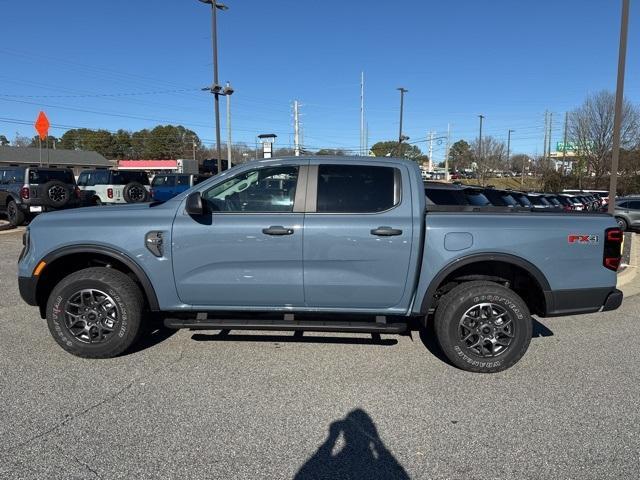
(42, 127)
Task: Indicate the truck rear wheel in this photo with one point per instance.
(483, 327)
(95, 312)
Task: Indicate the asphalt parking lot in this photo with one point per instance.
(263, 405)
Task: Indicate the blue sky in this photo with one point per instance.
(509, 60)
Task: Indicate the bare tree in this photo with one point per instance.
(591, 129)
(492, 157)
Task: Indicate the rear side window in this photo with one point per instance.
(124, 177)
(182, 180)
(357, 189)
(635, 205)
(162, 181)
(39, 176)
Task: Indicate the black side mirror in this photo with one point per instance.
(195, 205)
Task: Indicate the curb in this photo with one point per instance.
(4, 225)
(627, 277)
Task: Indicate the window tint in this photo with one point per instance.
(83, 179)
(355, 189)
(635, 205)
(523, 200)
(262, 190)
(39, 176)
(182, 180)
(100, 177)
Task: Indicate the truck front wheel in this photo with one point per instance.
(483, 327)
(95, 312)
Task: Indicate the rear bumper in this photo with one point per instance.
(584, 300)
(27, 287)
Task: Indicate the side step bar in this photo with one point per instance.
(286, 325)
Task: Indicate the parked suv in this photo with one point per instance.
(628, 212)
(114, 186)
(165, 186)
(27, 191)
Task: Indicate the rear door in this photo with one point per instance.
(357, 235)
(634, 213)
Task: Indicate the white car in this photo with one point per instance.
(114, 186)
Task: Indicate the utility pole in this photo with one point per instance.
(509, 146)
(296, 129)
(480, 146)
(446, 153)
(193, 147)
(362, 147)
(550, 133)
(430, 167)
(546, 125)
(524, 159)
(215, 88)
(564, 145)
(227, 92)
(400, 136)
(617, 119)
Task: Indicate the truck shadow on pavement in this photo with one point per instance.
(353, 449)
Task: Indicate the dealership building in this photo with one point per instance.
(77, 160)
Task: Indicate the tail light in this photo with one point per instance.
(24, 193)
(612, 248)
(77, 191)
(568, 208)
(110, 192)
(151, 192)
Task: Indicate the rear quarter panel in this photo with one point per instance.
(539, 238)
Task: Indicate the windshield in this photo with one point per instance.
(477, 199)
(38, 176)
(524, 201)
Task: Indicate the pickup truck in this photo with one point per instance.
(317, 244)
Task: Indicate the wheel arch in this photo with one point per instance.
(492, 267)
(66, 260)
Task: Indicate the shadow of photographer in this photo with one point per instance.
(352, 450)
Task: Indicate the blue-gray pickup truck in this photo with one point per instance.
(317, 244)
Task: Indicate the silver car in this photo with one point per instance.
(628, 212)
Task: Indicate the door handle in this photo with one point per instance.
(277, 230)
(386, 231)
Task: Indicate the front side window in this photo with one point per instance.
(263, 190)
(635, 205)
(100, 177)
(356, 189)
(162, 181)
(182, 180)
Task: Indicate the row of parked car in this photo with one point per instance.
(26, 191)
(627, 211)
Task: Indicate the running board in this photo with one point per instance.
(286, 325)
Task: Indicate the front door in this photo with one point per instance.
(357, 236)
(246, 251)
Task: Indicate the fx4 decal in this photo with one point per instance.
(583, 239)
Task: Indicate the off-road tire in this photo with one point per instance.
(134, 192)
(451, 309)
(15, 216)
(55, 193)
(128, 303)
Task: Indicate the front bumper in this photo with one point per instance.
(27, 287)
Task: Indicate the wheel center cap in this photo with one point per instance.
(486, 329)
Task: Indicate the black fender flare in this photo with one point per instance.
(147, 286)
(536, 273)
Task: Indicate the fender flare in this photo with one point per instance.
(535, 272)
(141, 275)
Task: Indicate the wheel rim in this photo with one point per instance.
(621, 223)
(136, 194)
(486, 329)
(57, 193)
(91, 316)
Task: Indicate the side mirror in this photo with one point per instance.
(195, 205)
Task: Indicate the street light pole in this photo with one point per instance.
(400, 136)
(509, 146)
(617, 119)
(215, 88)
